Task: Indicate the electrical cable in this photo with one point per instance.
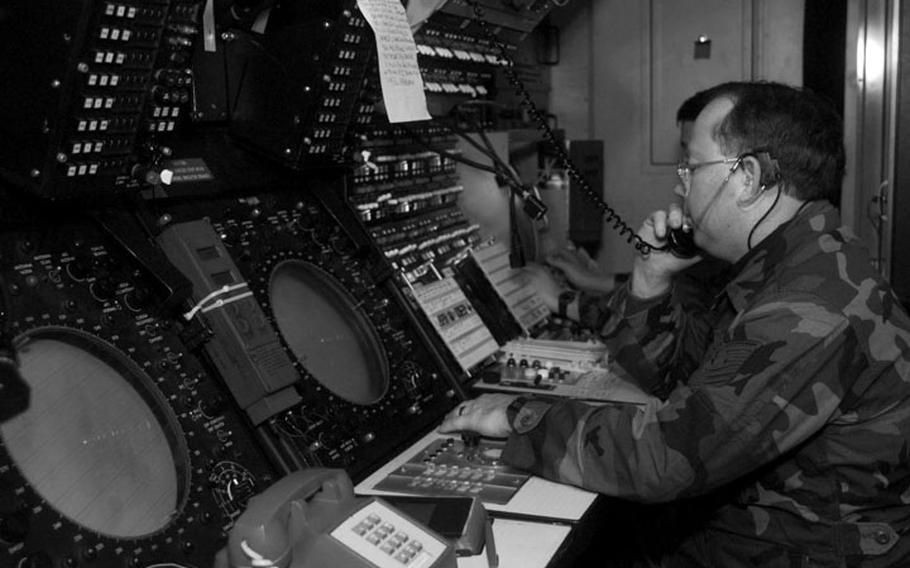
(486, 150)
(454, 157)
(503, 169)
(534, 206)
(765, 215)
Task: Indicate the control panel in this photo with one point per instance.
(93, 91)
(406, 193)
(368, 378)
(451, 467)
(299, 83)
(130, 453)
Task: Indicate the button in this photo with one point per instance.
(882, 537)
(389, 547)
(361, 529)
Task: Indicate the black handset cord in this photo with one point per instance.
(609, 214)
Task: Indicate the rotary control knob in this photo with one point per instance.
(232, 486)
(137, 299)
(79, 268)
(231, 235)
(342, 245)
(212, 406)
(305, 221)
(322, 235)
(103, 289)
(411, 373)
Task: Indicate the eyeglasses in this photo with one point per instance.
(685, 170)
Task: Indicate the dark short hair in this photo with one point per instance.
(690, 107)
(800, 130)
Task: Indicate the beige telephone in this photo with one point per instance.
(312, 519)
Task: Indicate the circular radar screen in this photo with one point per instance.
(328, 333)
(97, 442)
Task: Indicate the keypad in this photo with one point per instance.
(383, 535)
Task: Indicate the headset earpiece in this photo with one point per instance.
(770, 169)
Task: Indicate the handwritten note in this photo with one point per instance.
(399, 75)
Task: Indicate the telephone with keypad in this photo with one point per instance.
(312, 519)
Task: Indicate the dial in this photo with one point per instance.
(232, 485)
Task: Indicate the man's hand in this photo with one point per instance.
(652, 273)
(485, 415)
(542, 280)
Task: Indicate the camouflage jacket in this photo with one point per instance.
(787, 412)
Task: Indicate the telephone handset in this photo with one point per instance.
(312, 519)
(679, 242)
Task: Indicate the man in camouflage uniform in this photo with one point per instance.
(788, 402)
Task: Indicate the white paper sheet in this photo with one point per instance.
(521, 544)
(399, 75)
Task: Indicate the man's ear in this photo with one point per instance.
(751, 188)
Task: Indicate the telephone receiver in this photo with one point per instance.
(681, 243)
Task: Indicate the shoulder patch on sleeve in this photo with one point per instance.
(530, 415)
(729, 357)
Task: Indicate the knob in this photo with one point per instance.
(146, 174)
(80, 268)
(89, 553)
(103, 289)
(231, 235)
(166, 77)
(137, 299)
(212, 406)
(162, 95)
(26, 247)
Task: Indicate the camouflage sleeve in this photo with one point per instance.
(769, 384)
(651, 339)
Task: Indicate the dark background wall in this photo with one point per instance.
(824, 45)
